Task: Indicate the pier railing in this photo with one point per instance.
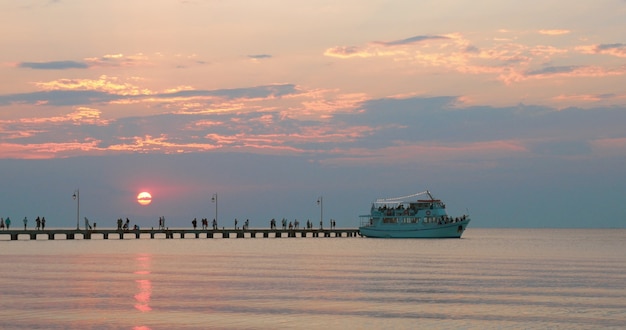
(70, 234)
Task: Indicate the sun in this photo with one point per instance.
(144, 198)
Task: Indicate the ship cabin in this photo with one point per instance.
(401, 212)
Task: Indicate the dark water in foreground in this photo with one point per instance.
(492, 278)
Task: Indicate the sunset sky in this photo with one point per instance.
(512, 110)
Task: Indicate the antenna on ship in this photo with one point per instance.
(429, 195)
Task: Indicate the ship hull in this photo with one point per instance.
(451, 230)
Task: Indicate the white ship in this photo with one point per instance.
(405, 217)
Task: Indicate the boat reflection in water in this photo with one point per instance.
(405, 217)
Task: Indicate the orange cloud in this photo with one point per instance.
(112, 85)
(554, 32)
(118, 60)
(48, 150)
(146, 144)
(617, 49)
(82, 115)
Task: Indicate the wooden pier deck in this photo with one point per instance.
(105, 234)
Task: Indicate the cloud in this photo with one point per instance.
(260, 56)
(118, 60)
(54, 65)
(107, 84)
(86, 92)
(374, 48)
(346, 52)
(432, 152)
(352, 131)
(554, 32)
(588, 97)
(59, 98)
(551, 70)
(508, 61)
(277, 90)
(614, 49)
(411, 40)
(572, 71)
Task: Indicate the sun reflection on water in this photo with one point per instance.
(144, 284)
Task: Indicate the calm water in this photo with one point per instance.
(492, 278)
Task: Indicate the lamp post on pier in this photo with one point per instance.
(214, 200)
(320, 202)
(76, 197)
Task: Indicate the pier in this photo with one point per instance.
(105, 234)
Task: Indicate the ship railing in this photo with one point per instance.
(366, 220)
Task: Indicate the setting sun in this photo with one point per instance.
(144, 198)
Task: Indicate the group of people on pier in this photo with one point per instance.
(291, 225)
(40, 223)
(296, 224)
(124, 225)
(6, 222)
(205, 223)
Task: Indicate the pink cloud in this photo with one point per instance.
(575, 98)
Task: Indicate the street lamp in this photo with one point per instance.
(214, 200)
(76, 196)
(320, 202)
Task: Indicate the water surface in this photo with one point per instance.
(491, 278)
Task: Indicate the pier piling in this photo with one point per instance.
(105, 234)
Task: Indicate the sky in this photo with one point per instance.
(511, 111)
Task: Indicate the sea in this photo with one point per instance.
(489, 279)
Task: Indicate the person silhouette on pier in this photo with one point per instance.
(8, 222)
(214, 224)
(235, 223)
(194, 223)
(2, 223)
(246, 224)
(119, 224)
(26, 223)
(43, 223)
